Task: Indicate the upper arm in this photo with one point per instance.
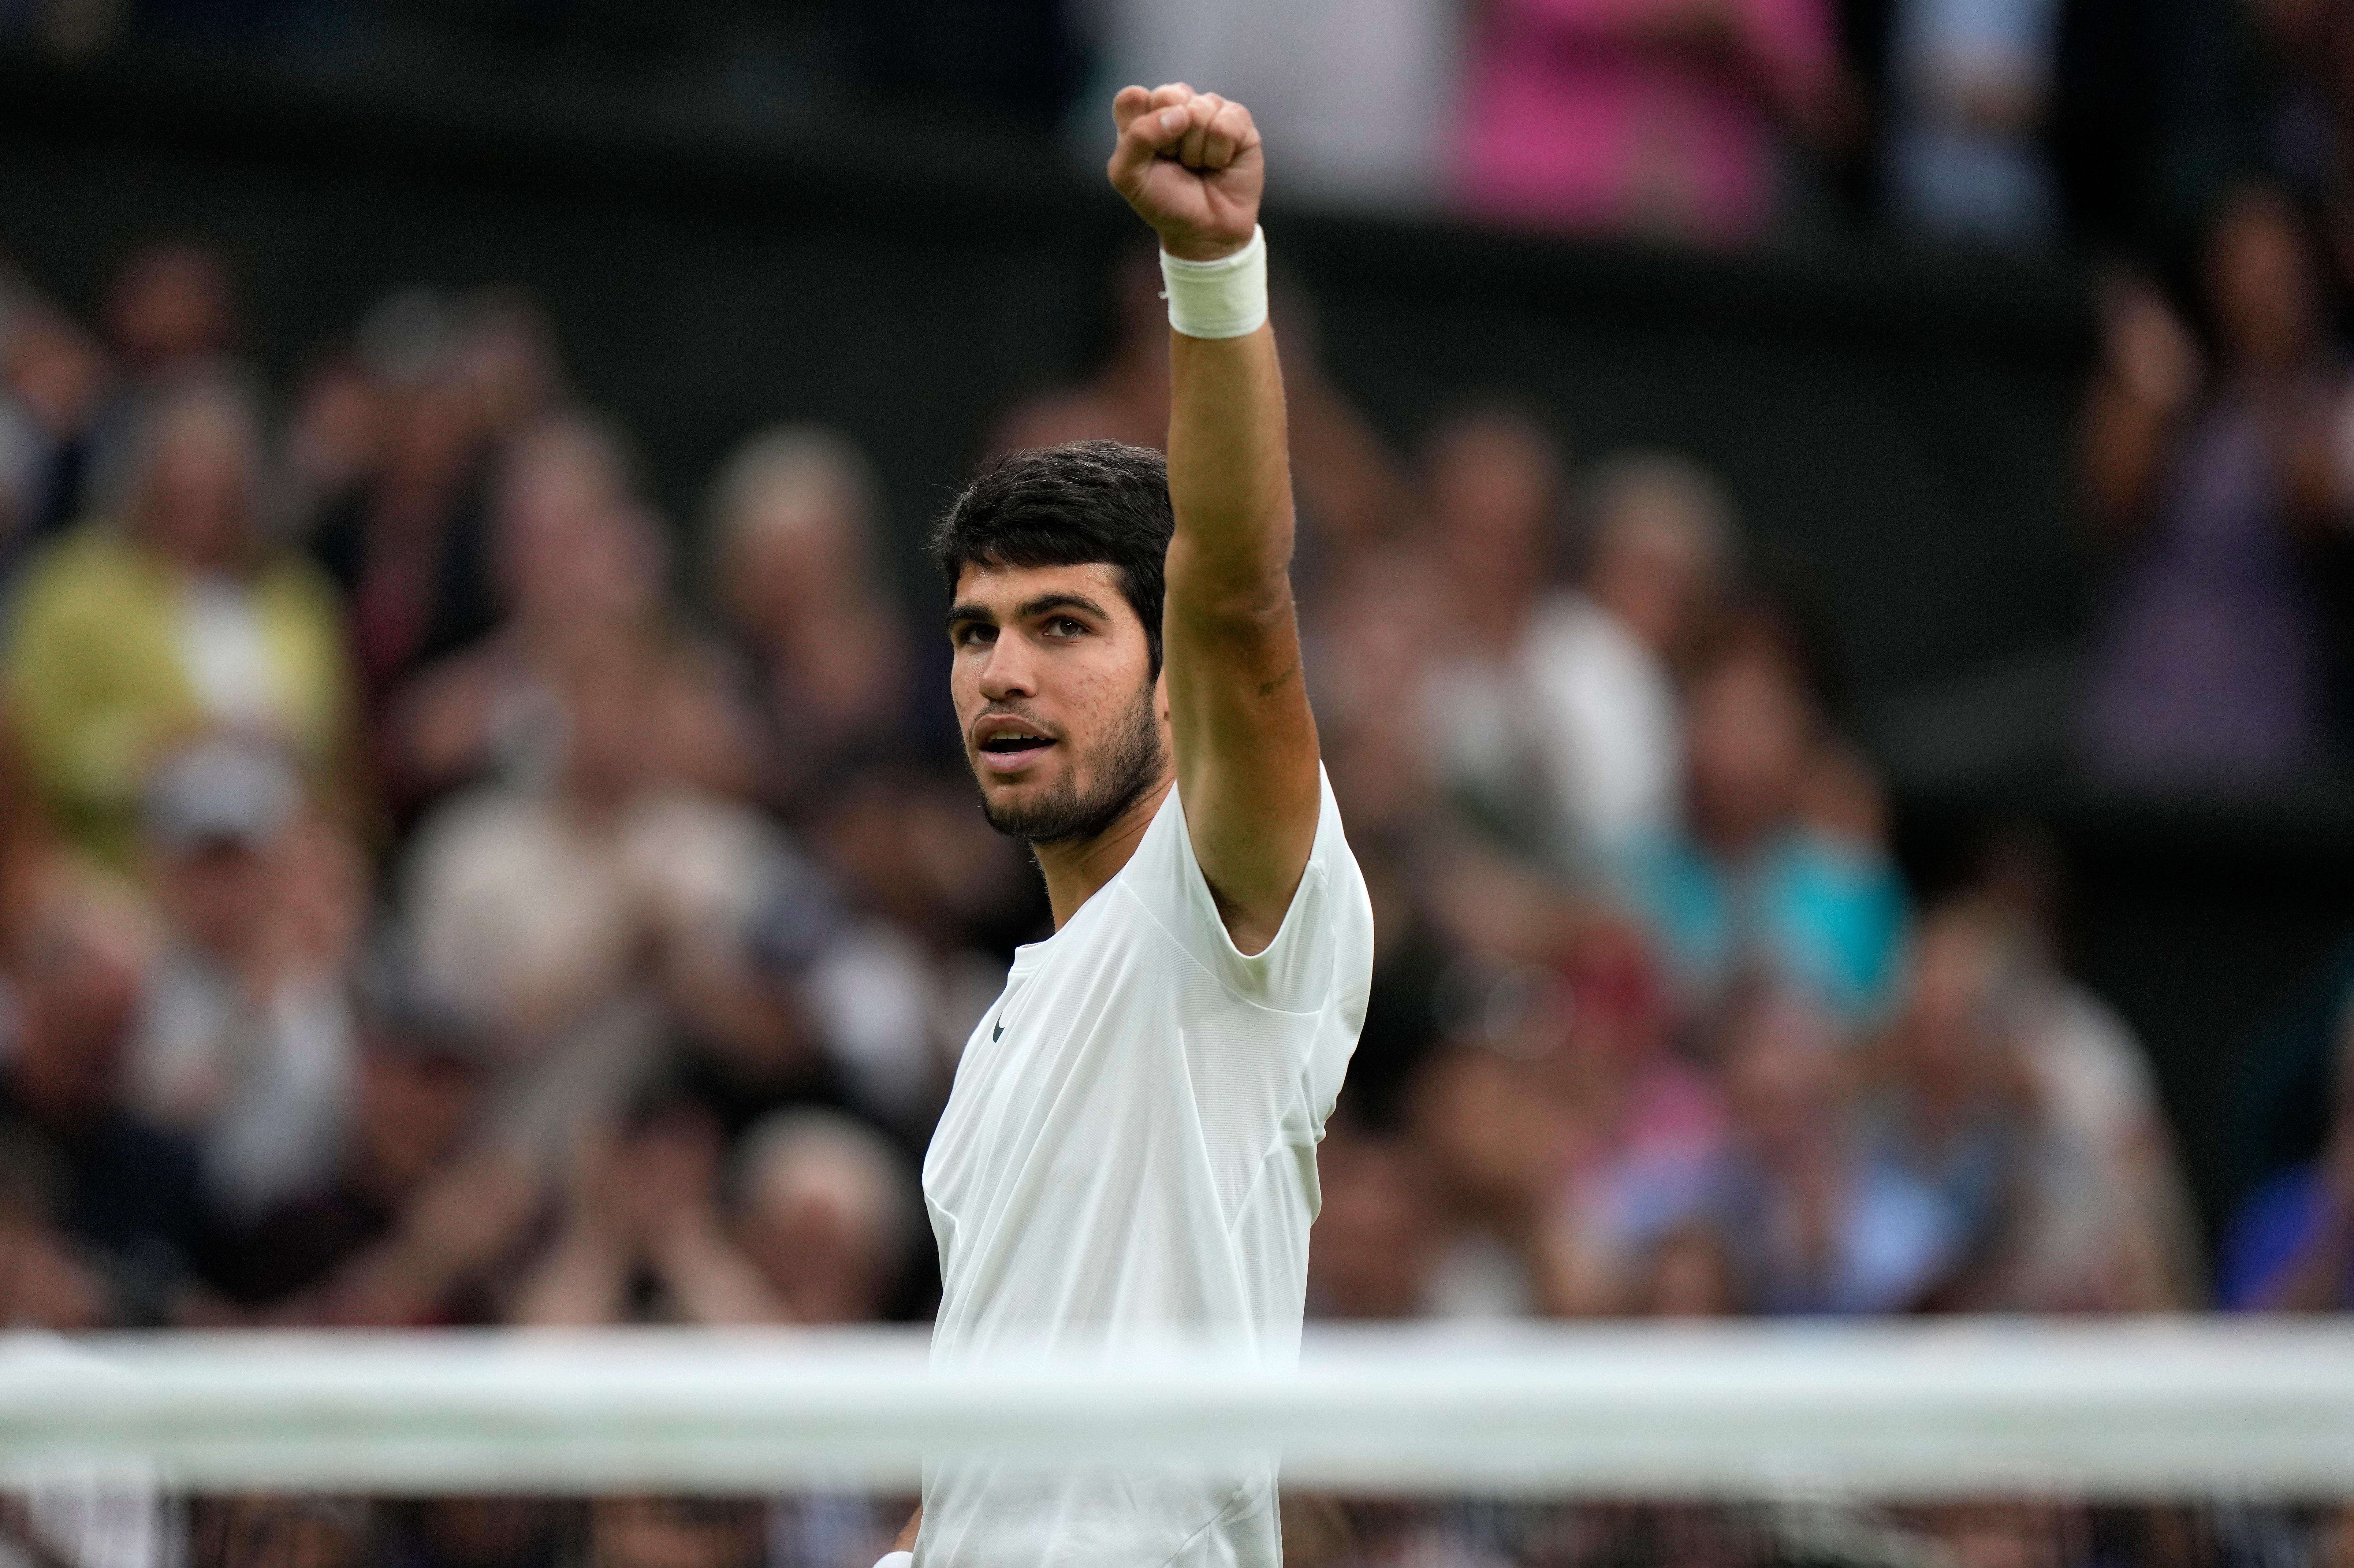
(1244, 739)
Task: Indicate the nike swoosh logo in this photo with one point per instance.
(998, 1034)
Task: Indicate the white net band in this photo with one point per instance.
(2116, 1411)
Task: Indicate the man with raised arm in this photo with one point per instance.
(1129, 1157)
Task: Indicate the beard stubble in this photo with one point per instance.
(1127, 764)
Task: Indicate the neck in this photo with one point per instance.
(1076, 869)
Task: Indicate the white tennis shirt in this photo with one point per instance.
(1129, 1156)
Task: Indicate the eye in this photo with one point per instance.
(972, 634)
(1064, 626)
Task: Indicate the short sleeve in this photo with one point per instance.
(1324, 944)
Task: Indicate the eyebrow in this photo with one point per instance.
(1027, 610)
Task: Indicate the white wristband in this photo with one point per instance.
(895, 1560)
(1225, 298)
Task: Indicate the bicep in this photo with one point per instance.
(1247, 759)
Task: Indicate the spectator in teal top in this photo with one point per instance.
(1779, 868)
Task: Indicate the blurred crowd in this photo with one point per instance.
(434, 888)
(2007, 124)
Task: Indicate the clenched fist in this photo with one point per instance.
(1190, 166)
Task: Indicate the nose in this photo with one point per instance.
(1006, 671)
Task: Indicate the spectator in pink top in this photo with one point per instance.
(1653, 116)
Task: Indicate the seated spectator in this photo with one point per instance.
(1666, 118)
(1369, 1254)
(98, 1212)
(1780, 863)
(1658, 542)
(1494, 483)
(2209, 667)
(404, 1229)
(399, 521)
(828, 676)
(578, 559)
(1497, 1150)
(170, 317)
(815, 1226)
(127, 638)
(1814, 1221)
(1952, 1109)
(823, 1208)
(2290, 1246)
(932, 904)
(245, 1044)
(1646, 1140)
(1554, 706)
(53, 377)
(540, 907)
(2102, 1217)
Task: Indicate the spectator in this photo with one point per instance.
(1498, 1150)
(1814, 1223)
(1555, 708)
(825, 1212)
(1494, 486)
(170, 315)
(2290, 1246)
(579, 559)
(53, 380)
(393, 451)
(246, 1042)
(1779, 864)
(1659, 542)
(1952, 1110)
(1971, 79)
(1646, 1141)
(1661, 117)
(828, 676)
(185, 617)
(2207, 669)
(102, 1226)
(820, 1230)
(2098, 1217)
(407, 1228)
(933, 903)
(541, 907)
(1369, 1254)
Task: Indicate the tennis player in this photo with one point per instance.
(1129, 1156)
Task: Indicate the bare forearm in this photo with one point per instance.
(1229, 478)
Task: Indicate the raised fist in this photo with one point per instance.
(1190, 166)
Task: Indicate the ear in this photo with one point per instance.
(1161, 694)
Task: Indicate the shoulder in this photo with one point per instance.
(1326, 935)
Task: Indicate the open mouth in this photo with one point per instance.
(1009, 750)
